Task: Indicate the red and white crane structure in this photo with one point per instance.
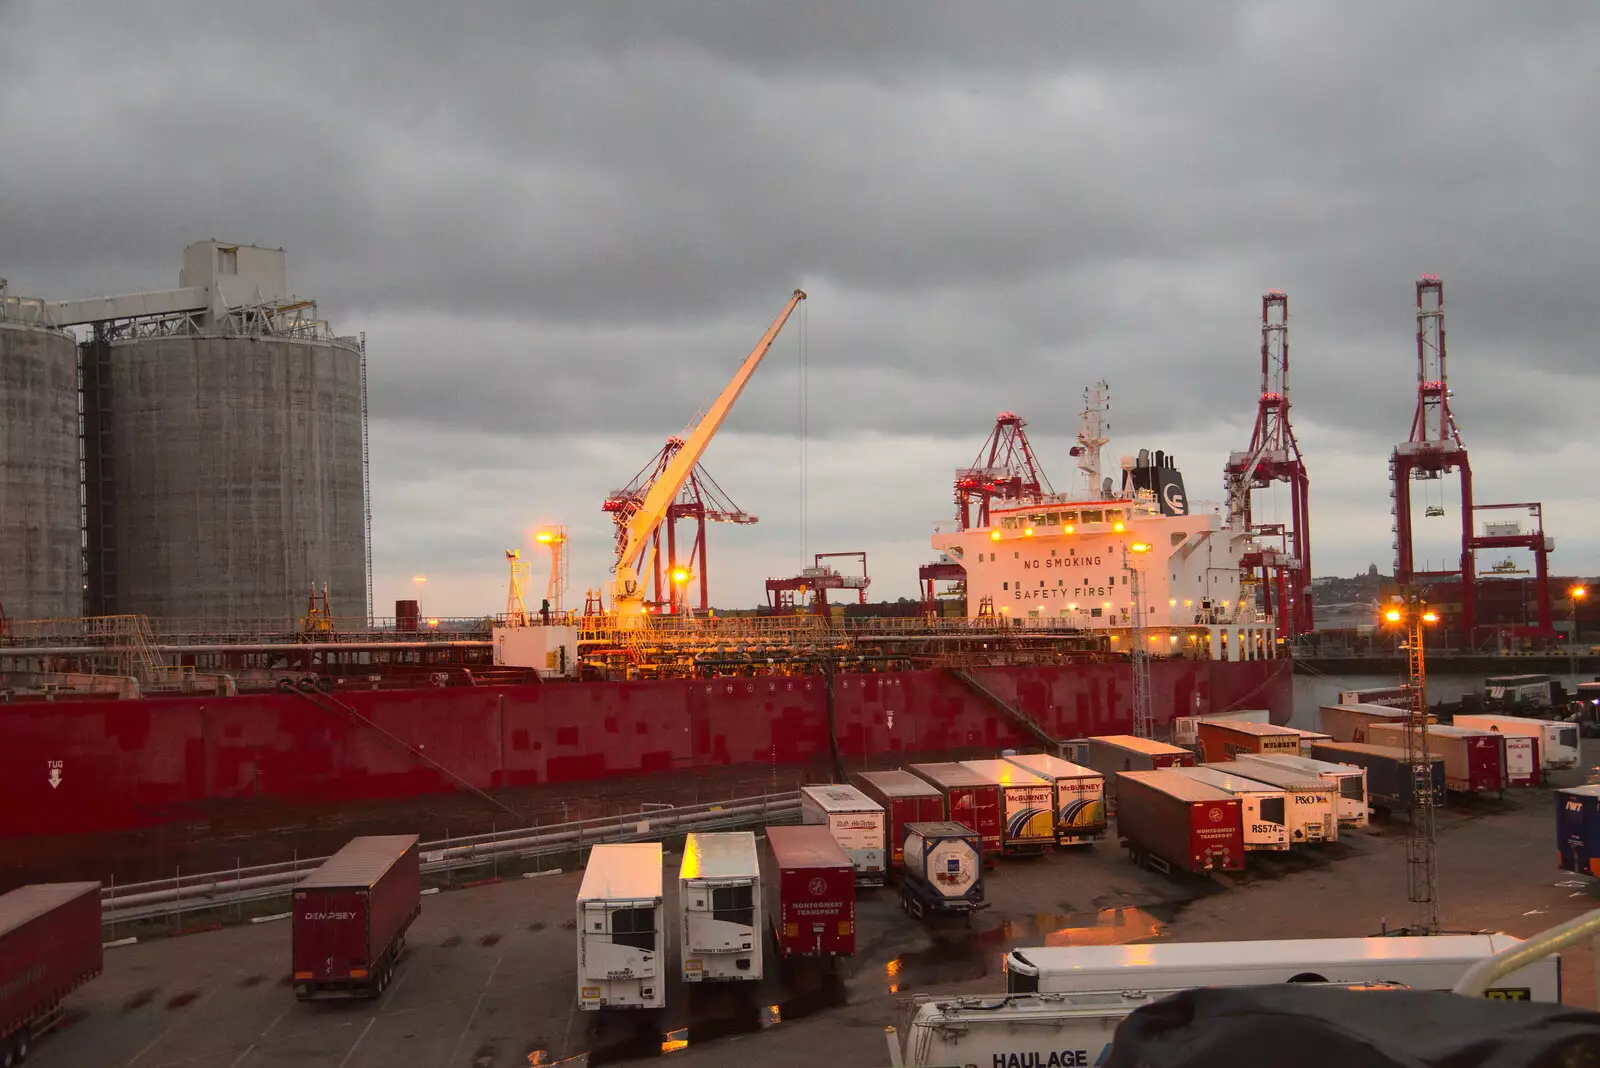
(699, 501)
(1279, 560)
(1434, 450)
(1006, 469)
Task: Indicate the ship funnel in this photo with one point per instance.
(1144, 457)
(1105, 489)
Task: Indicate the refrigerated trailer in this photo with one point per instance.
(621, 929)
(1027, 805)
(1558, 741)
(810, 890)
(1312, 805)
(1080, 801)
(49, 946)
(1349, 723)
(1261, 812)
(1474, 761)
(1347, 781)
(857, 823)
(719, 907)
(969, 798)
(350, 917)
(1114, 753)
(906, 798)
(1309, 738)
(944, 870)
(1389, 778)
(1225, 739)
(1423, 962)
(1168, 820)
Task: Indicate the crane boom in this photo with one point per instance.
(627, 596)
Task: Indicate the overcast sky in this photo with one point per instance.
(562, 226)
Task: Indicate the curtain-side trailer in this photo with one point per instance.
(719, 907)
(969, 798)
(1474, 761)
(1261, 812)
(1309, 738)
(1312, 808)
(1080, 796)
(1111, 754)
(1168, 820)
(49, 946)
(1389, 779)
(1027, 805)
(810, 890)
(621, 931)
(1558, 741)
(1349, 723)
(1423, 962)
(857, 823)
(1347, 781)
(350, 917)
(1225, 739)
(906, 798)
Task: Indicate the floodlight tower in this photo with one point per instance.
(556, 539)
(1411, 612)
(1434, 450)
(1280, 559)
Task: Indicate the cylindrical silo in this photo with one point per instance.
(40, 537)
(238, 473)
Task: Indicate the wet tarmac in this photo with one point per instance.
(488, 980)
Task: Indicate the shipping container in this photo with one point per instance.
(1348, 723)
(1389, 779)
(1080, 801)
(351, 915)
(49, 946)
(1518, 691)
(969, 798)
(1113, 753)
(857, 823)
(1262, 808)
(944, 870)
(1168, 820)
(906, 798)
(1225, 739)
(1313, 805)
(1348, 781)
(1423, 962)
(719, 907)
(810, 890)
(1578, 829)
(1392, 696)
(1027, 805)
(621, 930)
(1474, 761)
(1558, 741)
(1186, 729)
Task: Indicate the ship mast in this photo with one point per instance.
(1093, 434)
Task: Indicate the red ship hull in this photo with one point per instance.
(78, 767)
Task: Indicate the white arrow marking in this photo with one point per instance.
(55, 778)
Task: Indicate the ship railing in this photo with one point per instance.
(205, 891)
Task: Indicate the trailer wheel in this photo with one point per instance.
(21, 1042)
(8, 1054)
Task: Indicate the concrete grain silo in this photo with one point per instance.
(40, 540)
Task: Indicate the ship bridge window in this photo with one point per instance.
(1093, 515)
(1095, 612)
(1069, 518)
(1113, 515)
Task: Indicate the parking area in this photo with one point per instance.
(487, 980)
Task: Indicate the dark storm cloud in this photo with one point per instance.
(577, 218)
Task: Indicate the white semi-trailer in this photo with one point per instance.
(857, 823)
(719, 907)
(621, 932)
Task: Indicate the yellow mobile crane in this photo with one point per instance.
(627, 597)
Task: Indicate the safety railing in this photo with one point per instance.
(1580, 929)
(161, 898)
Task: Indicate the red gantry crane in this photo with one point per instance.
(1006, 469)
(788, 594)
(1280, 560)
(699, 501)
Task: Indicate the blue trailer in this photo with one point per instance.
(1578, 829)
(1388, 774)
(943, 875)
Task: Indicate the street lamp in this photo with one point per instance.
(1574, 595)
(1410, 611)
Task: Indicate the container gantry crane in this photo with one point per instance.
(638, 533)
(1006, 469)
(1279, 559)
(699, 502)
(788, 594)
